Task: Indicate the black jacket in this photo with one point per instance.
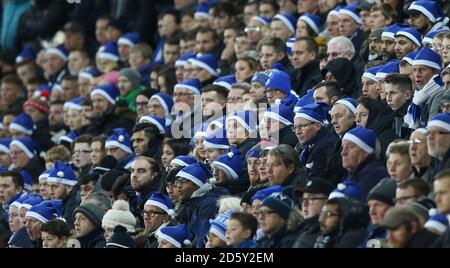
(400, 127)
(287, 136)
(34, 168)
(108, 122)
(306, 77)
(70, 203)
(246, 145)
(281, 239)
(422, 239)
(137, 204)
(346, 76)
(443, 241)
(41, 134)
(296, 179)
(94, 239)
(309, 231)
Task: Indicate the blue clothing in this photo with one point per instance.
(376, 237)
(246, 244)
(158, 54)
(12, 12)
(368, 174)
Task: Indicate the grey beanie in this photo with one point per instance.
(93, 212)
(132, 75)
(384, 191)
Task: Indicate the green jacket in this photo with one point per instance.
(130, 98)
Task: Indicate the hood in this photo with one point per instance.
(380, 116)
(353, 214)
(345, 74)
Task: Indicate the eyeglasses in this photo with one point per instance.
(252, 29)
(333, 54)
(82, 152)
(264, 213)
(311, 199)
(141, 103)
(302, 127)
(415, 141)
(152, 213)
(328, 214)
(154, 107)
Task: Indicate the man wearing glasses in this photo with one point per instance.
(312, 200)
(157, 213)
(438, 138)
(82, 154)
(422, 163)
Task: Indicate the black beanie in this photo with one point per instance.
(384, 191)
(120, 239)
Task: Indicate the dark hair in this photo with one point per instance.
(173, 12)
(224, 7)
(203, 30)
(401, 80)
(110, 177)
(188, 36)
(154, 165)
(86, 138)
(17, 179)
(287, 155)
(12, 79)
(386, 10)
(36, 80)
(445, 173)
(275, 42)
(87, 101)
(56, 227)
(332, 89)
(86, 178)
(274, 4)
(311, 45)
(69, 77)
(173, 40)
(101, 139)
(171, 174)
(179, 146)
(168, 72)
(248, 222)
(222, 92)
(421, 188)
(121, 186)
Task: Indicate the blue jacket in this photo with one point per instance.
(314, 155)
(376, 237)
(368, 174)
(12, 12)
(246, 244)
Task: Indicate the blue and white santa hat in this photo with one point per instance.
(335, 11)
(201, 131)
(226, 81)
(232, 163)
(43, 212)
(314, 22)
(364, 138)
(391, 66)
(307, 99)
(69, 137)
(219, 123)
(183, 59)
(428, 39)
(30, 200)
(350, 10)
(314, 112)
(371, 73)
(264, 20)
(4, 145)
(108, 51)
(25, 144)
(184, 160)
(280, 81)
(45, 175)
(288, 19)
(120, 138)
(437, 221)
(350, 103)
(390, 31)
(57, 204)
(217, 140)
(409, 58)
(27, 180)
(89, 73)
(197, 173)
(74, 103)
(165, 100)
(247, 118)
(347, 188)
(59, 51)
(159, 122)
(266, 192)
(109, 91)
(428, 57)
(62, 173)
(202, 10)
(440, 120)
(289, 45)
(161, 201)
(260, 78)
(220, 223)
(428, 8)
(412, 34)
(281, 113)
(129, 39)
(178, 235)
(192, 85)
(23, 123)
(207, 62)
(18, 202)
(26, 54)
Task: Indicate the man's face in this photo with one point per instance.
(167, 25)
(398, 166)
(257, 92)
(183, 99)
(213, 154)
(370, 88)
(347, 26)
(7, 189)
(280, 30)
(19, 158)
(141, 105)
(10, 93)
(204, 42)
(269, 221)
(137, 60)
(86, 189)
(171, 53)
(83, 225)
(57, 190)
(55, 64)
(374, 47)
(141, 174)
(268, 57)
(5, 159)
(395, 97)
(320, 95)
(387, 48)
(277, 171)
(84, 86)
(35, 114)
(405, 196)
(377, 209)
(14, 219)
(70, 89)
(273, 94)
(81, 154)
(422, 75)
(329, 219)
(362, 115)
(55, 116)
(33, 228)
(235, 132)
(365, 19)
(124, 52)
(420, 22)
(403, 46)
(99, 104)
(154, 217)
(438, 141)
(250, 10)
(398, 238)
(442, 194)
(101, 27)
(341, 119)
(25, 73)
(334, 52)
(236, 232)
(312, 204)
(418, 150)
(266, 10)
(125, 86)
(235, 101)
(116, 152)
(307, 6)
(305, 130)
(333, 25)
(97, 153)
(352, 155)
(300, 55)
(210, 104)
(377, 20)
(186, 188)
(446, 50)
(221, 21)
(76, 62)
(140, 142)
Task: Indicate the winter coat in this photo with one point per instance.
(246, 244)
(12, 12)
(246, 145)
(41, 134)
(296, 179)
(70, 203)
(137, 204)
(359, 64)
(309, 231)
(422, 239)
(345, 74)
(94, 239)
(431, 107)
(108, 122)
(399, 126)
(314, 155)
(443, 241)
(306, 77)
(287, 136)
(357, 39)
(199, 209)
(368, 174)
(380, 120)
(281, 239)
(34, 168)
(427, 173)
(376, 237)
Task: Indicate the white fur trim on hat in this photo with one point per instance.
(5, 149)
(22, 147)
(370, 76)
(191, 88)
(381, 75)
(157, 204)
(169, 239)
(438, 123)
(177, 162)
(439, 226)
(62, 181)
(409, 36)
(115, 244)
(188, 176)
(210, 145)
(223, 84)
(228, 169)
(104, 94)
(285, 22)
(336, 194)
(107, 56)
(153, 121)
(424, 11)
(355, 17)
(125, 41)
(201, 14)
(20, 128)
(348, 104)
(257, 18)
(388, 34)
(56, 52)
(36, 216)
(218, 233)
(204, 66)
(86, 75)
(361, 144)
(241, 121)
(311, 23)
(307, 117)
(113, 143)
(277, 117)
(162, 102)
(427, 63)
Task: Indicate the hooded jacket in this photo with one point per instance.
(309, 231)
(346, 76)
(306, 77)
(284, 238)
